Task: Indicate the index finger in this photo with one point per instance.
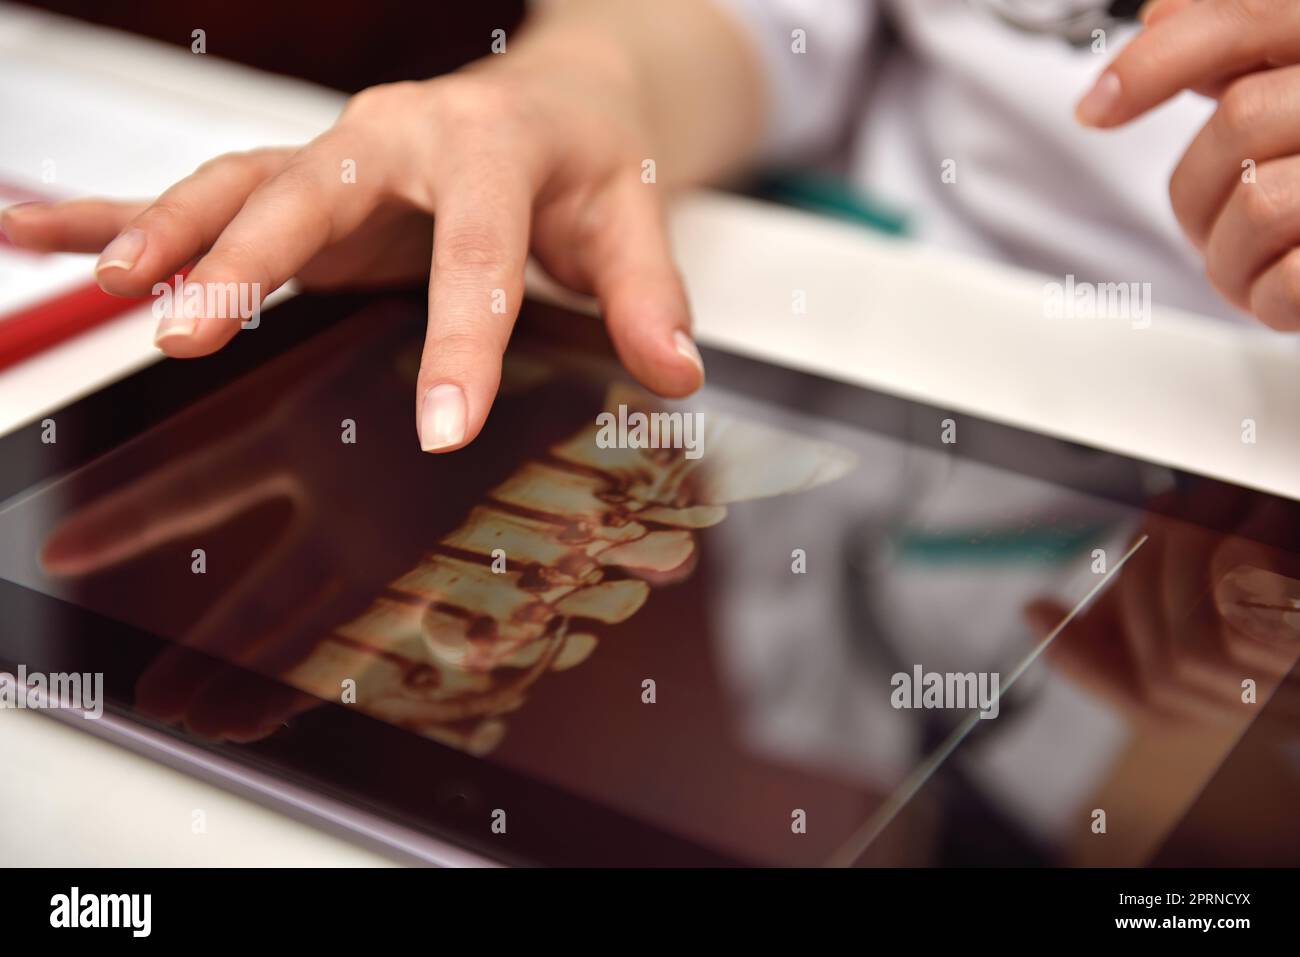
(1195, 46)
(476, 284)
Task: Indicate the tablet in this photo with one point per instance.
(786, 621)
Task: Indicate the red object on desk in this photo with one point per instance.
(49, 321)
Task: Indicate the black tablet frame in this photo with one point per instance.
(351, 757)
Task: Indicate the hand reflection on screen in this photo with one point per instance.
(1192, 615)
(182, 500)
(1191, 618)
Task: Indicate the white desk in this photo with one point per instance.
(917, 321)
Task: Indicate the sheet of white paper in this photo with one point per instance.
(69, 132)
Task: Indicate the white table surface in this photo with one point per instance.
(914, 320)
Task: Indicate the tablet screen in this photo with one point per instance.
(785, 621)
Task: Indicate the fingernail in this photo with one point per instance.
(686, 347)
(1259, 585)
(1096, 107)
(123, 252)
(1259, 602)
(20, 208)
(15, 209)
(442, 417)
(170, 327)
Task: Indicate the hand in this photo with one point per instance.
(1245, 54)
(506, 156)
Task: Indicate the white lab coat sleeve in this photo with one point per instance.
(814, 56)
